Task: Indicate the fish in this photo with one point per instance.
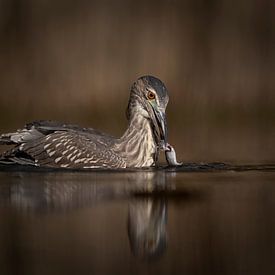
(170, 155)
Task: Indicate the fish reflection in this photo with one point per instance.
(147, 227)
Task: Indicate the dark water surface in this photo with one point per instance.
(199, 219)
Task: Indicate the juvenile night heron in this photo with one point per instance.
(53, 144)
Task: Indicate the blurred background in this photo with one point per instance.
(75, 61)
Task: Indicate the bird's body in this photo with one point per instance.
(53, 144)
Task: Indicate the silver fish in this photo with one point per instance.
(170, 155)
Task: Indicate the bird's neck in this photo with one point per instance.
(137, 145)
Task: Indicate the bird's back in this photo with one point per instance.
(54, 144)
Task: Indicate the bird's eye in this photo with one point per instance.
(151, 95)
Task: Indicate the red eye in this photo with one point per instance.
(151, 95)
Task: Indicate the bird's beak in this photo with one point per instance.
(162, 125)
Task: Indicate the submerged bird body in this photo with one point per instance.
(53, 144)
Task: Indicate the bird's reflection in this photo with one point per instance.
(54, 192)
(147, 227)
(64, 191)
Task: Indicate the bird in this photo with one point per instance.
(54, 144)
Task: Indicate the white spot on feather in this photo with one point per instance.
(80, 160)
(72, 159)
(65, 143)
(69, 155)
(46, 146)
(51, 153)
(57, 159)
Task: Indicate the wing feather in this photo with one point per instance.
(55, 144)
(77, 150)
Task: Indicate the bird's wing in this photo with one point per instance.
(54, 144)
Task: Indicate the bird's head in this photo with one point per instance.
(149, 98)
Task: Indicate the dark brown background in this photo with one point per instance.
(75, 61)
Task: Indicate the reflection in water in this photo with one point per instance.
(61, 191)
(147, 227)
(55, 192)
(218, 223)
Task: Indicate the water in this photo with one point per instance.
(199, 219)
